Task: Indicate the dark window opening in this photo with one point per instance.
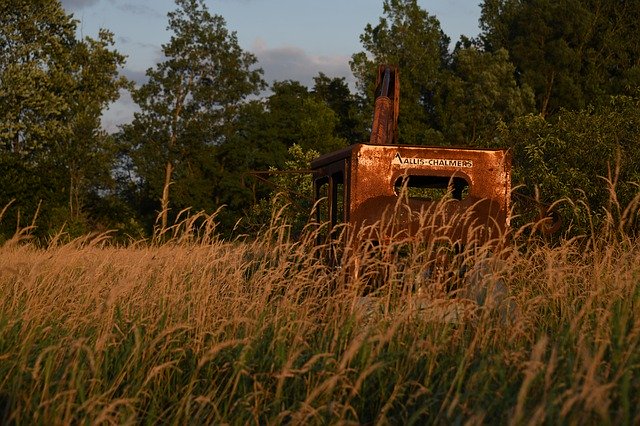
(432, 188)
(331, 199)
(322, 198)
(331, 208)
(338, 199)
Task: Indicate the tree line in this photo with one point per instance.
(555, 80)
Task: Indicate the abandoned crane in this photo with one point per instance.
(365, 183)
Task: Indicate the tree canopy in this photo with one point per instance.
(573, 53)
(410, 38)
(53, 88)
(187, 107)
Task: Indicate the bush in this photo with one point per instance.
(584, 157)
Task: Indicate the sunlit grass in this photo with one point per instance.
(190, 329)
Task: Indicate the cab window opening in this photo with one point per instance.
(331, 199)
(432, 188)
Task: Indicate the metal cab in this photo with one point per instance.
(459, 193)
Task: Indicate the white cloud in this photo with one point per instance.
(78, 4)
(118, 113)
(137, 76)
(293, 63)
(140, 10)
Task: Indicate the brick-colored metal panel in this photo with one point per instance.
(372, 172)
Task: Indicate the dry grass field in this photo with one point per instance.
(197, 330)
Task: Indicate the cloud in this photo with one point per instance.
(293, 63)
(78, 4)
(139, 57)
(118, 113)
(124, 6)
(139, 10)
(137, 76)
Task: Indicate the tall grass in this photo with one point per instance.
(192, 329)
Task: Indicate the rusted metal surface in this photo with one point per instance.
(387, 105)
(459, 193)
(394, 192)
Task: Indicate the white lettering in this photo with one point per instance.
(431, 162)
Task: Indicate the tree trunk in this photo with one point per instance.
(173, 139)
(75, 179)
(547, 95)
(164, 202)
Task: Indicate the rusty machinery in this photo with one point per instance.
(367, 183)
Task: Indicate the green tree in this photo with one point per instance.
(297, 117)
(249, 146)
(291, 194)
(571, 52)
(407, 36)
(36, 41)
(480, 92)
(89, 152)
(335, 93)
(187, 105)
(53, 89)
(262, 139)
(573, 155)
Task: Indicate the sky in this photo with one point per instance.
(292, 39)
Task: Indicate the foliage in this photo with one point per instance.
(186, 105)
(291, 197)
(53, 88)
(296, 116)
(571, 156)
(349, 108)
(36, 41)
(408, 37)
(480, 93)
(573, 53)
(270, 135)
